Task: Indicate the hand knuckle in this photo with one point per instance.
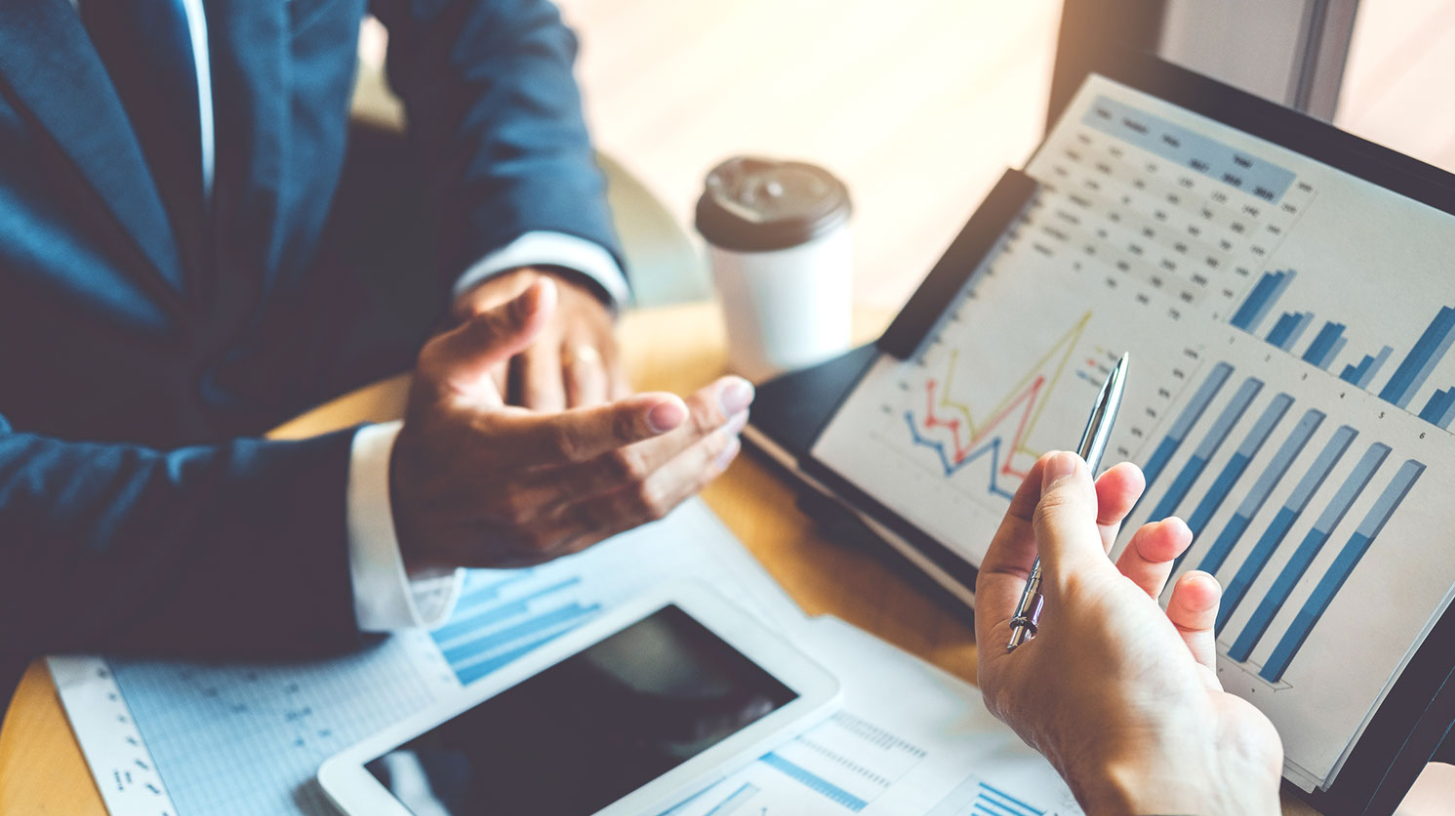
(628, 465)
(624, 426)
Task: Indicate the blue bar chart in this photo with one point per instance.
(1191, 413)
(1233, 470)
(1326, 345)
(1307, 550)
(1289, 328)
(1284, 519)
(1409, 377)
(1440, 409)
(1249, 508)
(1260, 301)
(492, 627)
(1417, 366)
(1333, 580)
(1258, 424)
(1207, 448)
(1363, 374)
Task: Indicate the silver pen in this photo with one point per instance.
(1027, 616)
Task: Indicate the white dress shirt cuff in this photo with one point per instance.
(385, 597)
(543, 248)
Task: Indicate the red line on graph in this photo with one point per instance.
(964, 449)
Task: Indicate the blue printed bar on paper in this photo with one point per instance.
(1326, 345)
(1273, 536)
(1421, 360)
(1307, 550)
(1262, 299)
(1186, 148)
(1258, 495)
(1438, 404)
(1191, 413)
(1233, 470)
(1208, 449)
(1333, 580)
(1289, 328)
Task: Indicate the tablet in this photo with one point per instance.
(632, 713)
(1284, 290)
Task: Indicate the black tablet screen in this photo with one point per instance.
(589, 730)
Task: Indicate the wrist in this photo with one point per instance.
(1191, 778)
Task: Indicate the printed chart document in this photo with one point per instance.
(170, 738)
(909, 740)
(1290, 396)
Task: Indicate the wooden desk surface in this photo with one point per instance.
(676, 349)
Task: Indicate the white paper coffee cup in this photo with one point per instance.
(781, 254)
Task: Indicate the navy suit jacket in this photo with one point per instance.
(136, 510)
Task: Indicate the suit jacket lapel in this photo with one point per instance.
(47, 58)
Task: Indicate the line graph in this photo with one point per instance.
(1000, 437)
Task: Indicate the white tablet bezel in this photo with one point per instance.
(356, 792)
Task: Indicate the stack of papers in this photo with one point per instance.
(177, 738)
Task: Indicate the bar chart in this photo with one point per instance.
(1329, 342)
(1263, 533)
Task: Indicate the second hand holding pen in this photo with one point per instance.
(1027, 617)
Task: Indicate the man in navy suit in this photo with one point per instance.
(172, 284)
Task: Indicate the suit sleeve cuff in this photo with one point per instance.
(552, 249)
(385, 596)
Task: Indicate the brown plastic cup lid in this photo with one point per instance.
(760, 205)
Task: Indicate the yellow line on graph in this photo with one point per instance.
(1068, 340)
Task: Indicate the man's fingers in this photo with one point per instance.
(634, 464)
(538, 383)
(1008, 560)
(542, 441)
(659, 493)
(1149, 556)
(1193, 609)
(1117, 491)
(463, 357)
(1067, 535)
(585, 375)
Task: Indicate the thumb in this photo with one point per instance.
(1067, 538)
(460, 358)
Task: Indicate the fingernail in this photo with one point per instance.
(736, 424)
(1058, 467)
(735, 396)
(666, 415)
(733, 446)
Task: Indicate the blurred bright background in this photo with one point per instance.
(920, 104)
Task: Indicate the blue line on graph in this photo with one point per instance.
(815, 783)
(1333, 580)
(495, 640)
(999, 797)
(1287, 515)
(992, 448)
(1258, 495)
(463, 626)
(1307, 551)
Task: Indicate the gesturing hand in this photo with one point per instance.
(1122, 698)
(573, 361)
(480, 484)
